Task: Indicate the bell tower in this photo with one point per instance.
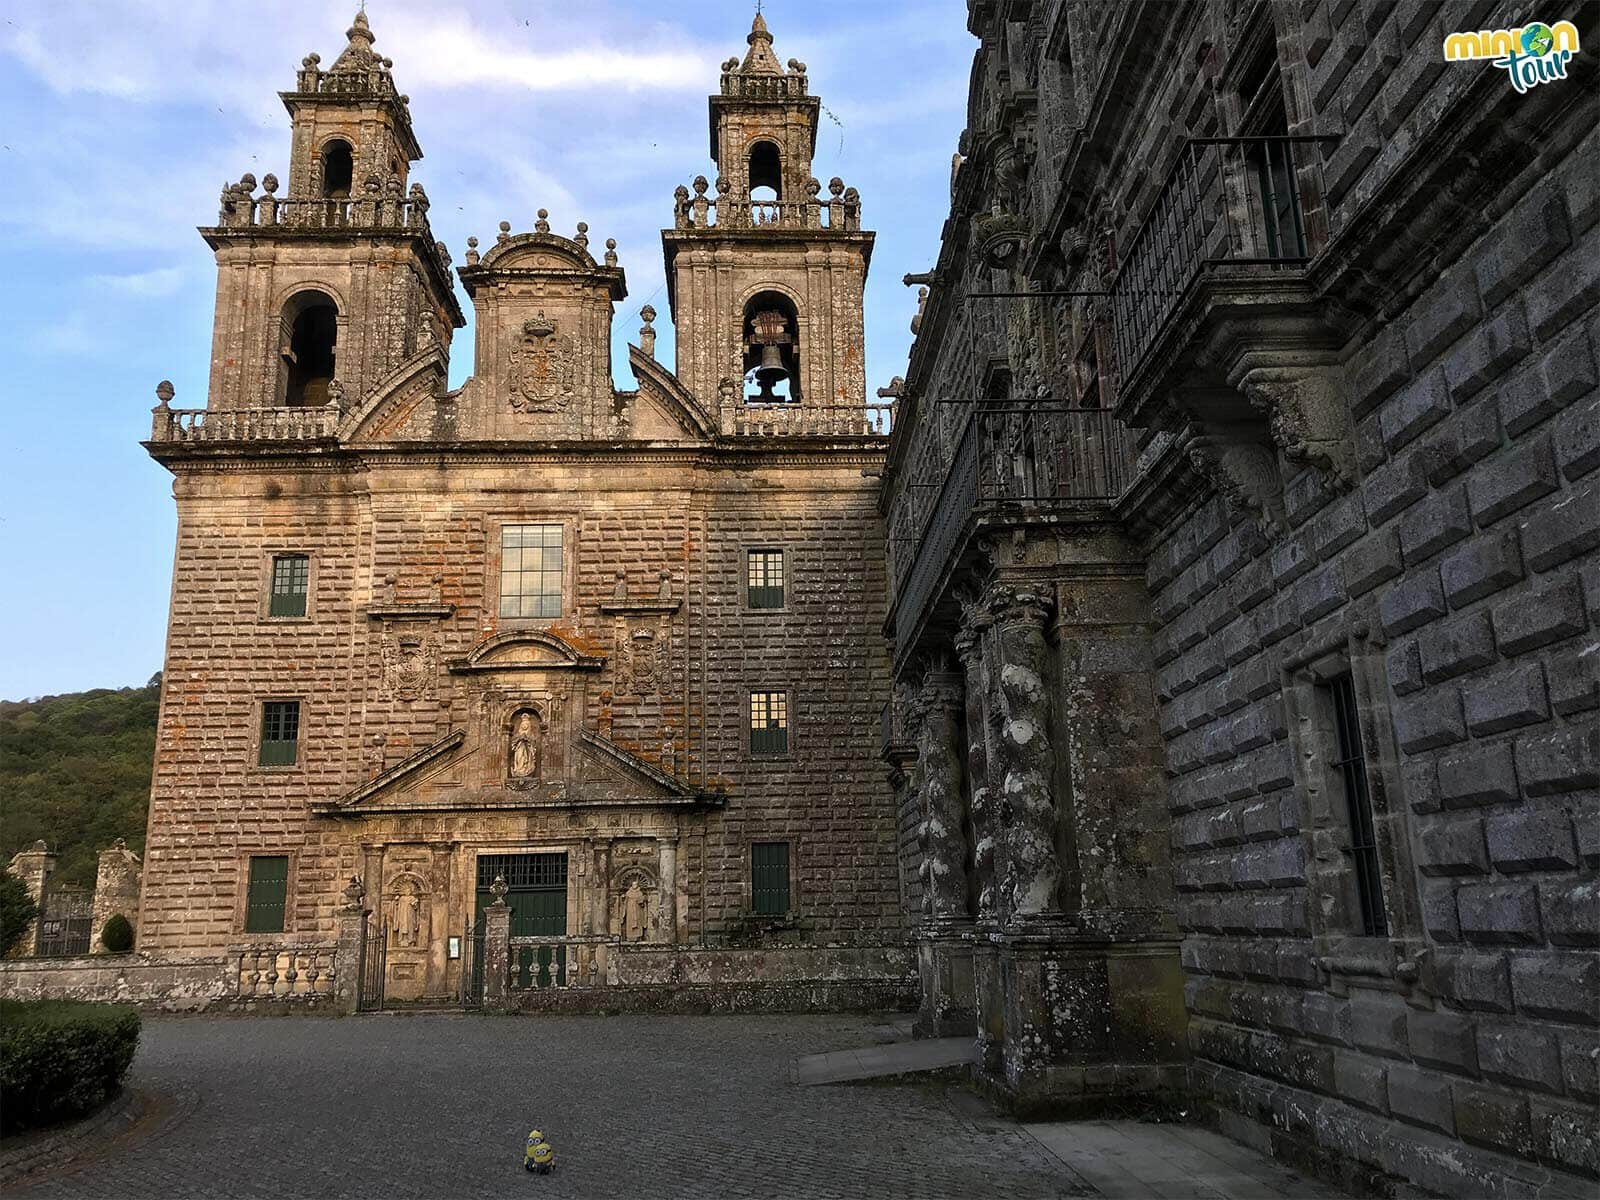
(327, 290)
(765, 274)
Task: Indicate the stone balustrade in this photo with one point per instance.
(537, 962)
(840, 211)
(814, 420)
(265, 972)
(281, 424)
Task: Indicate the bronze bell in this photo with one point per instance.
(770, 371)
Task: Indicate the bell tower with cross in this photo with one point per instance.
(765, 268)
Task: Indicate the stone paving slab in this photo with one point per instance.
(882, 1062)
(1135, 1160)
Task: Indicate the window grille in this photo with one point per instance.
(766, 579)
(291, 576)
(769, 878)
(536, 891)
(769, 722)
(1352, 766)
(530, 571)
(280, 733)
(269, 887)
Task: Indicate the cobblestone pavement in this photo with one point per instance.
(439, 1105)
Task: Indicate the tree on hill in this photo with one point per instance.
(75, 771)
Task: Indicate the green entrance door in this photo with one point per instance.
(537, 896)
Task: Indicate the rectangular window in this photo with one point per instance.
(769, 878)
(280, 733)
(291, 575)
(530, 571)
(269, 886)
(769, 722)
(1352, 767)
(765, 579)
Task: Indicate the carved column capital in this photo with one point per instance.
(1009, 604)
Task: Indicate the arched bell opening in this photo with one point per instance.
(338, 169)
(310, 330)
(766, 172)
(771, 350)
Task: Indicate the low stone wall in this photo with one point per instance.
(210, 984)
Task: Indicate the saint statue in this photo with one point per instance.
(525, 747)
(635, 921)
(405, 917)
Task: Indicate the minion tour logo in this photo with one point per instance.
(1532, 54)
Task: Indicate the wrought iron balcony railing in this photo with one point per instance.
(1014, 460)
(1232, 201)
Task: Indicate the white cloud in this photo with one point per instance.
(162, 281)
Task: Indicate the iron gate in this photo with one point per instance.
(374, 960)
(472, 966)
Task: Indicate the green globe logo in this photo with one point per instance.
(1537, 40)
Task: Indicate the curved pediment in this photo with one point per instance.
(538, 250)
(527, 650)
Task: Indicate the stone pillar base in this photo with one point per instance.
(944, 964)
(1087, 1025)
(988, 989)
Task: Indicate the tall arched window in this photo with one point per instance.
(310, 329)
(338, 168)
(771, 350)
(766, 172)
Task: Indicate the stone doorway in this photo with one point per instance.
(536, 893)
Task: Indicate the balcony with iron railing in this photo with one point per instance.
(1227, 230)
(1012, 462)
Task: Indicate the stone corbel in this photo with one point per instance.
(1306, 415)
(1244, 471)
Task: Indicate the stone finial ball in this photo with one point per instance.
(700, 185)
(611, 243)
(835, 186)
(269, 183)
(648, 313)
(505, 226)
(313, 58)
(472, 242)
(583, 227)
(165, 391)
(247, 181)
(544, 214)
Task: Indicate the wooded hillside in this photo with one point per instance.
(75, 771)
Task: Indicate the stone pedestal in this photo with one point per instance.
(116, 889)
(944, 965)
(989, 1000)
(1087, 1023)
(497, 953)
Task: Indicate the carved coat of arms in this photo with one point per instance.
(544, 368)
(410, 665)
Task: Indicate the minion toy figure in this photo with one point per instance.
(539, 1156)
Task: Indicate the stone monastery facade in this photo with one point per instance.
(618, 648)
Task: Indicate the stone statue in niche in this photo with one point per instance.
(527, 738)
(407, 913)
(635, 913)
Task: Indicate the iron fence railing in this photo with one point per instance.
(1235, 201)
(1012, 459)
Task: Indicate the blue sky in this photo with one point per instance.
(119, 124)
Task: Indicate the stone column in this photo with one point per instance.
(33, 866)
(497, 949)
(944, 945)
(1026, 765)
(988, 992)
(116, 889)
(351, 928)
(669, 888)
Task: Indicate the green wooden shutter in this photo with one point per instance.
(769, 866)
(280, 733)
(269, 887)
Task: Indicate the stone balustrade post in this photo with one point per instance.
(1026, 766)
(497, 950)
(351, 928)
(33, 866)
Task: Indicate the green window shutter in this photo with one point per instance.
(291, 577)
(769, 722)
(280, 733)
(769, 869)
(269, 887)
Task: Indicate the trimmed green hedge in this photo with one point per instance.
(117, 936)
(61, 1058)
